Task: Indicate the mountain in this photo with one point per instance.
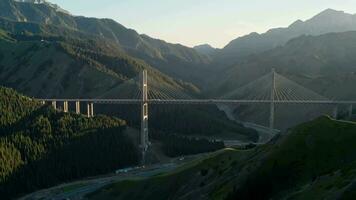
(173, 59)
(55, 6)
(325, 22)
(322, 63)
(297, 165)
(67, 67)
(205, 49)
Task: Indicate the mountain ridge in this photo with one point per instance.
(171, 59)
(68, 60)
(325, 22)
(206, 49)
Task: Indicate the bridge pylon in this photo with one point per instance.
(144, 117)
(272, 109)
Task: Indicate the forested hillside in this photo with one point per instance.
(41, 147)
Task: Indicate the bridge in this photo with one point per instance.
(271, 89)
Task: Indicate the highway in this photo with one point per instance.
(78, 189)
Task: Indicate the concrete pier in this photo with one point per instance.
(54, 104)
(65, 106)
(77, 107)
(90, 110)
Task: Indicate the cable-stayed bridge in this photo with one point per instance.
(271, 89)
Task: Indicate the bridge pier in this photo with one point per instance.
(350, 111)
(65, 106)
(90, 110)
(335, 112)
(144, 117)
(77, 107)
(54, 104)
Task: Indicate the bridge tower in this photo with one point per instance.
(273, 87)
(144, 116)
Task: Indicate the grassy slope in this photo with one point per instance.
(315, 160)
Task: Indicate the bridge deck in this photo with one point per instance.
(196, 101)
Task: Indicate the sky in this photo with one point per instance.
(194, 22)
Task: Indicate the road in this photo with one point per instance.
(78, 189)
(265, 133)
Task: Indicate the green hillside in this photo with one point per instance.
(315, 160)
(40, 147)
(13, 112)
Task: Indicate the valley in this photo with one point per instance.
(92, 109)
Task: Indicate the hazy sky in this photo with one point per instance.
(192, 22)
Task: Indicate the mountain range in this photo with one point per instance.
(172, 59)
(180, 62)
(321, 63)
(325, 22)
(47, 52)
(75, 56)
